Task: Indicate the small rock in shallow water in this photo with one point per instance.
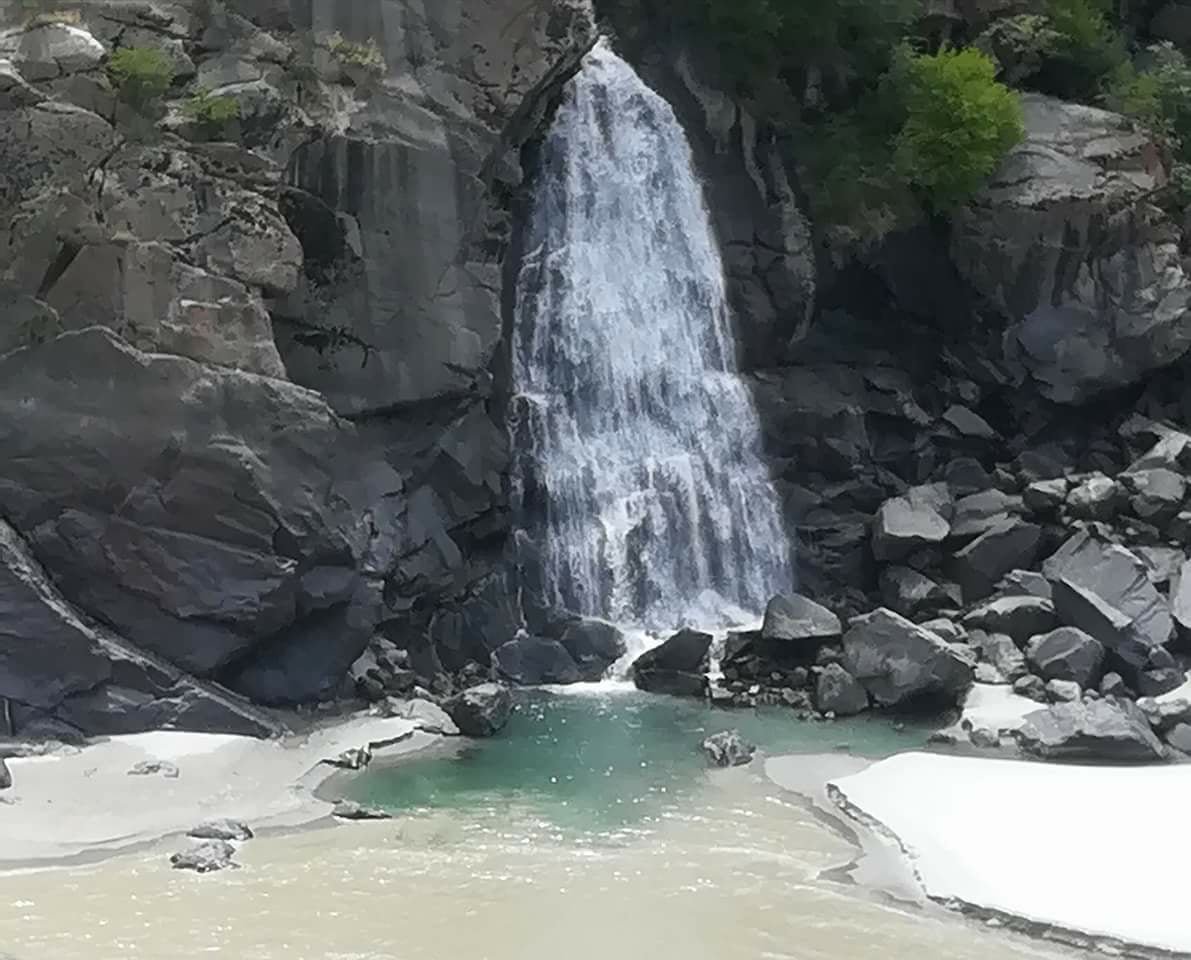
(350, 810)
(221, 830)
(148, 768)
(728, 749)
(354, 759)
(481, 711)
(205, 857)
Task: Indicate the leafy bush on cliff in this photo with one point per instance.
(960, 122)
(1087, 50)
(211, 114)
(142, 75)
(366, 55)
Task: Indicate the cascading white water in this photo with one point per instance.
(638, 475)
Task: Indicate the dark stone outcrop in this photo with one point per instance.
(533, 660)
(793, 618)
(838, 692)
(594, 645)
(899, 662)
(1067, 654)
(728, 749)
(481, 711)
(1008, 544)
(1021, 617)
(677, 666)
(1112, 731)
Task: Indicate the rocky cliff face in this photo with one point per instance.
(245, 374)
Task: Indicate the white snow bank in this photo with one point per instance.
(1098, 850)
(84, 801)
(994, 707)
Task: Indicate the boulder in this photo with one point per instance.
(912, 593)
(1180, 738)
(350, 810)
(999, 650)
(429, 716)
(1021, 617)
(1064, 243)
(206, 857)
(1096, 731)
(968, 423)
(1180, 604)
(154, 768)
(528, 661)
(1156, 495)
(5, 776)
(1113, 685)
(838, 692)
(355, 758)
(1067, 654)
(898, 662)
(1062, 691)
(793, 618)
(1008, 544)
(481, 711)
(594, 645)
(981, 511)
(1095, 498)
(905, 524)
(1030, 687)
(1105, 590)
(678, 666)
(1156, 681)
(221, 830)
(948, 630)
(1025, 583)
(728, 749)
(1046, 496)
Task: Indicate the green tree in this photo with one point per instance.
(959, 123)
(142, 75)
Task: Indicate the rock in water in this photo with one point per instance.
(221, 830)
(678, 666)
(898, 661)
(350, 810)
(206, 857)
(1110, 730)
(838, 692)
(481, 711)
(149, 768)
(594, 646)
(5, 776)
(728, 749)
(794, 617)
(357, 758)
(528, 661)
(1067, 654)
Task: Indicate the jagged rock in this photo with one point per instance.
(1109, 730)
(1165, 714)
(221, 830)
(677, 666)
(1104, 590)
(1007, 545)
(795, 618)
(1031, 687)
(838, 692)
(1021, 617)
(5, 776)
(1046, 496)
(151, 768)
(1067, 654)
(728, 749)
(380, 671)
(1025, 583)
(984, 738)
(350, 810)
(982, 511)
(1155, 682)
(1113, 685)
(427, 715)
(911, 593)
(532, 660)
(481, 711)
(1162, 563)
(51, 50)
(968, 424)
(205, 857)
(1062, 691)
(905, 524)
(999, 650)
(947, 630)
(1180, 738)
(594, 645)
(965, 475)
(1157, 494)
(1096, 498)
(356, 758)
(897, 661)
(1180, 604)
(1070, 252)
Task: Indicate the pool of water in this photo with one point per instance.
(602, 761)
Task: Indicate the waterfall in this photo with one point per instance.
(638, 478)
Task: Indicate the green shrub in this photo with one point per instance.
(1021, 44)
(366, 55)
(142, 75)
(1087, 50)
(211, 114)
(959, 123)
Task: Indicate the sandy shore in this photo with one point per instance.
(1082, 854)
(84, 804)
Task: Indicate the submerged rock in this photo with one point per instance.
(350, 810)
(1106, 730)
(481, 711)
(838, 692)
(205, 857)
(221, 830)
(678, 666)
(728, 749)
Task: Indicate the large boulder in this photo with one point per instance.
(1105, 590)
(1067, 654)
(533, 660)
(481, 711)
(1065, 244)
(1021, 617)
(1109, 730)
(1007, 544)
(594, 645)
(677, 666)
(794, 618)
(1001, 652)
(899, 662)
(911, 593)
(838, 692)
(905, 524)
